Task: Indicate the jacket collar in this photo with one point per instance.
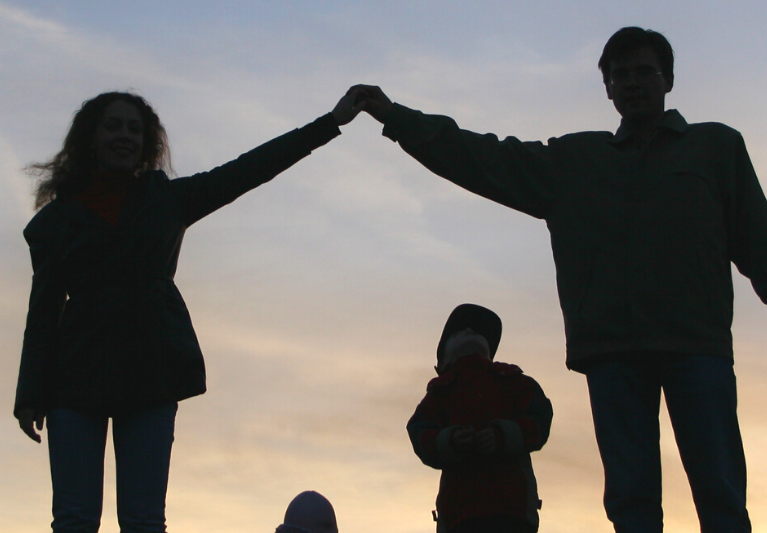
(474, 364)
(672, 120)
(87, 217)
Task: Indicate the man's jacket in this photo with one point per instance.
(642, 238)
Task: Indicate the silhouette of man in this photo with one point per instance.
(644, 224)
(309, 512)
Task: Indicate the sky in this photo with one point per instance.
(319, 297)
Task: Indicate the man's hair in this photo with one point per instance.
(627, 40)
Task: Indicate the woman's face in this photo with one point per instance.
(119, 138)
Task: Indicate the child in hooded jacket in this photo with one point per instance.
(478, 423)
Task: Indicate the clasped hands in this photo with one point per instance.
(369, 98)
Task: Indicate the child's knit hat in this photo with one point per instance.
(480, 319)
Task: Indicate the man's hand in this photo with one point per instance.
(349, 106)
(377, 104)
(28, 419)
(462, 439)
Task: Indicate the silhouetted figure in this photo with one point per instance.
(309, 512)
(108, 334)
(478, 423)
(644, 224)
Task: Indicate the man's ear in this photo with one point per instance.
(669, 83)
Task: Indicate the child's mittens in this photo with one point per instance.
(486, 441)
(462, 440)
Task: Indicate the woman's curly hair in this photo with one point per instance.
(69, 171)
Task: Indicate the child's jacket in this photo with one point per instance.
(480, 393)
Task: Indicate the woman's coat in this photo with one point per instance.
(107, 329)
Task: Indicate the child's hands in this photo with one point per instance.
(466, 440)
(462, 439)
(486, 441)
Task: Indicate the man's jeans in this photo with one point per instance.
(701, 398)
(142, 442)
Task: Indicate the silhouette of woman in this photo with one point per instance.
(108, 334)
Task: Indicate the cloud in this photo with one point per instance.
(23, 20)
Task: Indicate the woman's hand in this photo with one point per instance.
(349, 106)
(28, 419)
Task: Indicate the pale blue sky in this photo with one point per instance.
(319, 297)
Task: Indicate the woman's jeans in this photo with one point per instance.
(142, 443)
(702, 404)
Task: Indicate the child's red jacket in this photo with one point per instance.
(479, 393)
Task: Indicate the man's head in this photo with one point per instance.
(638, 71)
(310, 512)
(470, 330)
